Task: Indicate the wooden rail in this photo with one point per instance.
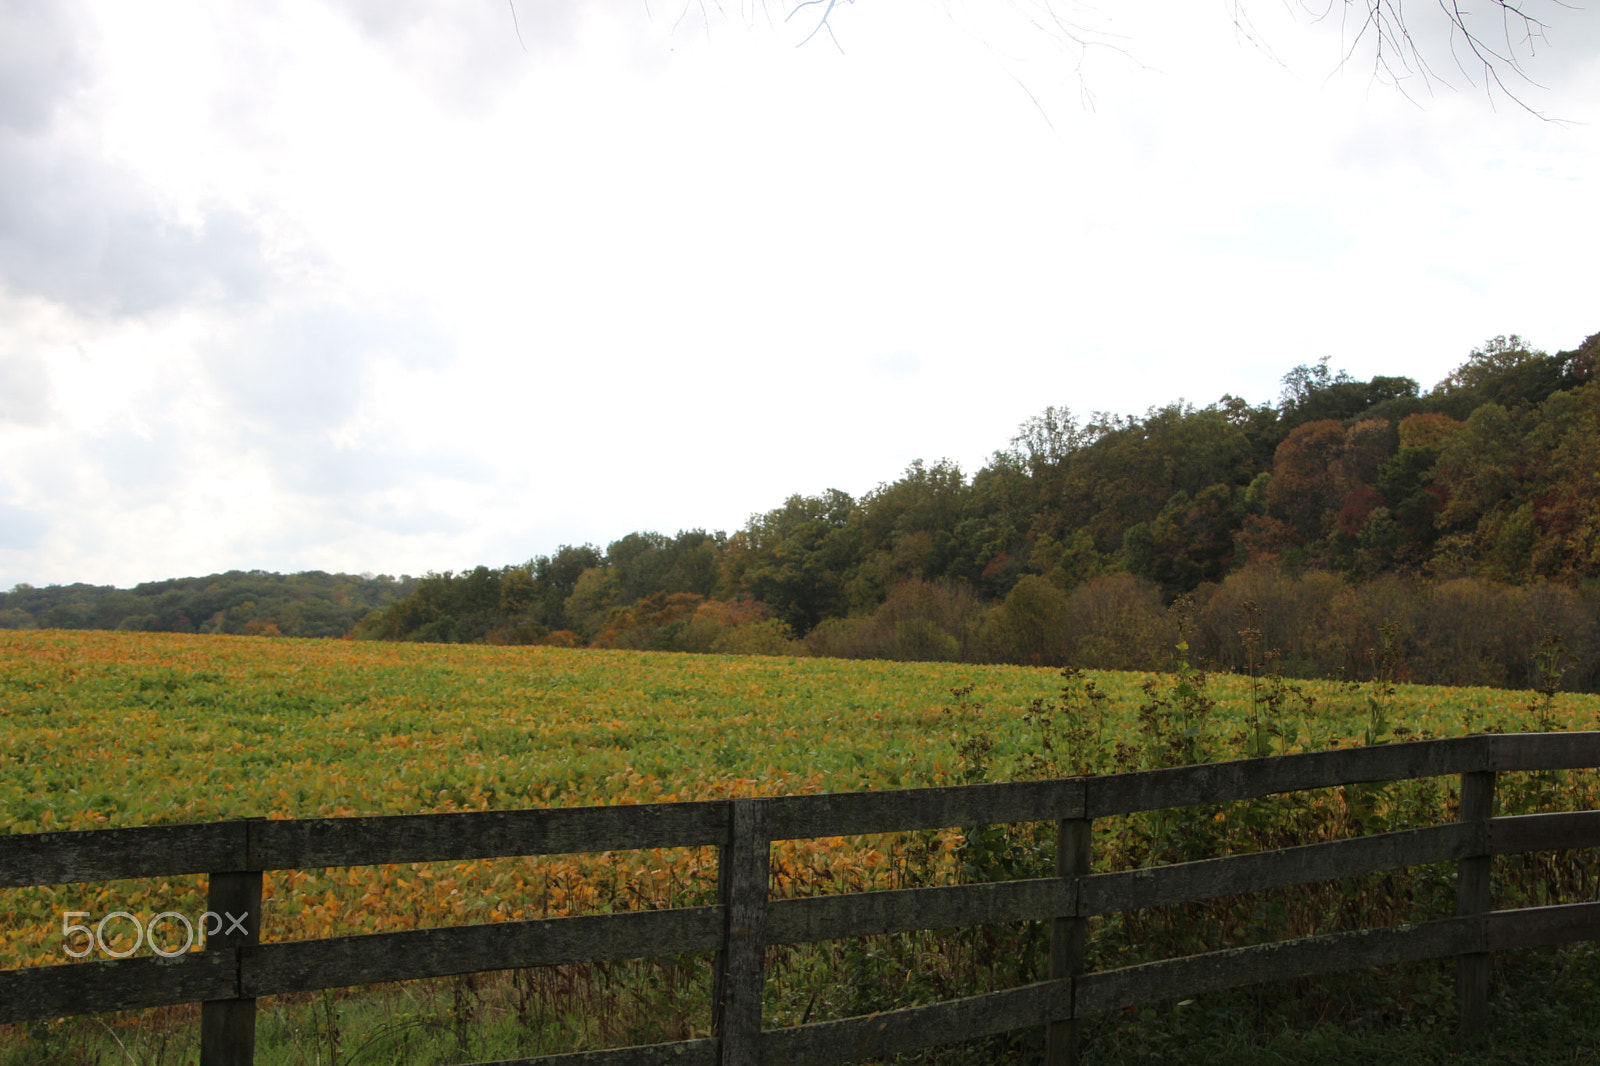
(235, 968)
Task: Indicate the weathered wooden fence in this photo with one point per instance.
(235, 968)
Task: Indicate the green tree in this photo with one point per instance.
(796, 558)
(1504, 371)
(591, 602)
(556, 577)
(1030, 626)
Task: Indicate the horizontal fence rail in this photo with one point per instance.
(234, 970)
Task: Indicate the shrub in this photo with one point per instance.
(1029, 627)
(1293, 616)
(920, 621)
(1117, 622)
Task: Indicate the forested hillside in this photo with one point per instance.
(312, 604)
(1457, 527)
(1447, 535)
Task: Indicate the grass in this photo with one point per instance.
(106, 729)
(1545, 1009)
(478, 1018)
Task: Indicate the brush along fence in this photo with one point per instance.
(235, 968)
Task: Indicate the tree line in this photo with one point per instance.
(1465, 517)
(1350, 523)
(249, 602)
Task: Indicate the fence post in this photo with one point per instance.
(228, 1026)
(743, 880)
(1068, 936)
(1473, 896)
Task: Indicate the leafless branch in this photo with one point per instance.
(1246, 31)
(822, 23)
(705, 16)
(1396, 56)
(518, 28)
(1075, 41)
(1382, 26)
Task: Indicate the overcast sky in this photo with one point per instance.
(398, 286)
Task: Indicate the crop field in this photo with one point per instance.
(103, 729)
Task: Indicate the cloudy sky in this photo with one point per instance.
(397, 286)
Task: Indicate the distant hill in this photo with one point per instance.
(309, 604)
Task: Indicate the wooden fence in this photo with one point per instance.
(235, 968)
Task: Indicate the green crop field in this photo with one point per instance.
(105, 729)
